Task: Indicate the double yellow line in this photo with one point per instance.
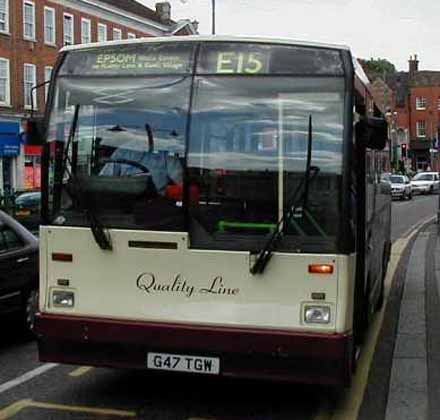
(15, 408)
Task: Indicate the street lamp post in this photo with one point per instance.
(213, 17)
(391, 118)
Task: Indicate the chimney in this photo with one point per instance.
(413, 65)
(163, 10)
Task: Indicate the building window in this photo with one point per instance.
(86, 31)
(49, 25)
(5, 93)
(117, 34)
(47, 77)
(29, 20)
(421, 128)
(30, 80)
(68, 29)
(102, 32)
(131, 36)
(420, 102)
(438, 104)
(4, 16)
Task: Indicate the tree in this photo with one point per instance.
(378, 67)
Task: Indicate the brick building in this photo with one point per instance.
(411, 99)
(418, 112)
(31, 34)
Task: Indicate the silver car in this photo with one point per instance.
(400, 187)
(425, 182)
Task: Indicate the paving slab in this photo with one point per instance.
(410, 346)
(408, 389)
(408, 394)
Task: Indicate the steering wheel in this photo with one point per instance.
(151, 188)
(129, 162)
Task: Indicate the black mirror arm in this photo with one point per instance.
(40, 85)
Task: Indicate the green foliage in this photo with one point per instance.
(378, 67)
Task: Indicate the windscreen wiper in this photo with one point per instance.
(102, 237)
(294, 210)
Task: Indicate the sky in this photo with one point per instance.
(391, 29)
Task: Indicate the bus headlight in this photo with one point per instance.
(63, 299)
(316, 314)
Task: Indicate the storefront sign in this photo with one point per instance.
(9, 139)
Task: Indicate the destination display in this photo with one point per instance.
(131, 60)
(259, 59)
(218, 58)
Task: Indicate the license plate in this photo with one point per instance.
(183, 363)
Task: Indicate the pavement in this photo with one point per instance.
(404, 381)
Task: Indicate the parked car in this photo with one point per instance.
(400, 187)
(425, 182)
(27, 210)
(18, 270)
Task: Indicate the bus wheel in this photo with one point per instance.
(29, 310)
(381, 298)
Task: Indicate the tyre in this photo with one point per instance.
(30, 308)
(381, 298)
(431, 189)
(410, 196)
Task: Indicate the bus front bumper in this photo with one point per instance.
(280, 355)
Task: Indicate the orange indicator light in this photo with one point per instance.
(58, 256)
(321, 268)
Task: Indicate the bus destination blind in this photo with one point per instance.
(152, 63)
(137, 60)
(214, 58)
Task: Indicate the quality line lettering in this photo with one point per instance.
(147, 283)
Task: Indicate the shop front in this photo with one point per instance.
(32, 167)
(10, 145)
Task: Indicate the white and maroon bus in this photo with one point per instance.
(212, 205)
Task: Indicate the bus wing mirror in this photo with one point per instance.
(34, 131)
(372, 132)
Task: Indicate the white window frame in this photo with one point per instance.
(72, 19)
(7, 101)
(421, 129)
(119, 31)
(49, 41)
(131, 35)
(87, 40)
(6, 22)
(46, 79)
(420, 103)
(34, 83)
(104, 27)
(32, 36)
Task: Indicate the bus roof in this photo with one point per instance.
(209, 38)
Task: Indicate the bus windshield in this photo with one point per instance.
(215, 155)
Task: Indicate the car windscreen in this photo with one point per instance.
(424, 177)
(397, 179)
